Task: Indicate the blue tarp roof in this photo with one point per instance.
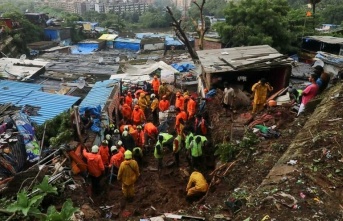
(20, 94)
(173, 41)
(84, 48)
(128, 40)
(99, 94)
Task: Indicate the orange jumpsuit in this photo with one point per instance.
(163, 105)
(128, 100)
(105, 154)
(138, 116)
(94, 163)
(139, 141)
(155, 85)
(117, 159)
(126, 111)
(179, 102)
(151, 130)
(191, 106)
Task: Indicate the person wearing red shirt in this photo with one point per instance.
(309, 93)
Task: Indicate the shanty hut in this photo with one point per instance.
(244, 66)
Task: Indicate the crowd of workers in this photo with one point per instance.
(137, 137)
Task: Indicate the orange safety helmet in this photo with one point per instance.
(272, 103)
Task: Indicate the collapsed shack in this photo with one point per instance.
(244, 66)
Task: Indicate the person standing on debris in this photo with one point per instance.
(104, 152)
(164, 104)
(138, 155)
(158, 154)
(120, 146)
(117, 157)
(200, 125)
(154, 108)
(128, 99)
(163, 90)
(155, 84)
(138, 116)
(191, 108)
(95, 167)
(197, 186)
(228, 99)
(128, 175)
(180, 101)
(150, 131)
(309, 93)
(176, 149)
(128, 141)
(140, 141)
(196, 147)
(126, 111)
(179, 115)
(260, 90)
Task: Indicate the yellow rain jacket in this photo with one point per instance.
(260, 92)
(143, 101)
(197, 183)
(128, 172)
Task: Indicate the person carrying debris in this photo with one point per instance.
(180, 101)
(95, 167)
(154, 108)
(104, 152)
(155, 84)
(309, 93)
(163, 90)
(197, 186)
(260, 91)
(128, 175)
(138, 116)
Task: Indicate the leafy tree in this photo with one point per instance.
(256, 22)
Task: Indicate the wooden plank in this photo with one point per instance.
(226, 62)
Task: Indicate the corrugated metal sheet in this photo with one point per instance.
(20, 94)
(99, 94)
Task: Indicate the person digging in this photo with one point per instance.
(197, 186)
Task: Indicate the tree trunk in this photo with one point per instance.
(182, 35)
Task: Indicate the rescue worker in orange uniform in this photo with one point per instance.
(120, 146)
(150, 131)
(140, 141)
(117, 157)
(128, 99)
(191, 108)
(164, 104)
(179, 102)
(138, 116)
(197, 186)
(104, 153)
(179, 114)
(126, 111)
(155, 84)
(128, 175)
(95, 167)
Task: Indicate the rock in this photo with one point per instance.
(89, 213)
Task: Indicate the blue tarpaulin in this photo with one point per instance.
(127, 43)
(183, 67)
(83, 48)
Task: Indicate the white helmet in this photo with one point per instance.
(95, 149)
(126, 127)
(120, 143)
(113, 148)
(108, 137)
(125, 133)
(104, 142)
(116, 131)
(152, 96)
